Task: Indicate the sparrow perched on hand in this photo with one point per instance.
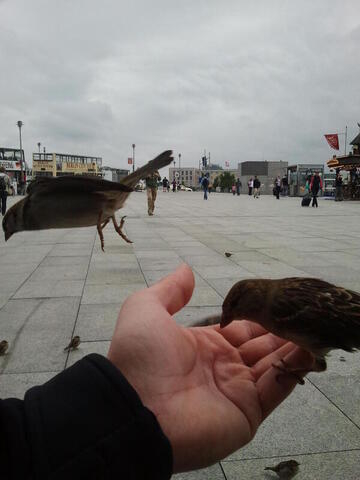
(312, 313)
(285, 470)
(77, 201)
(74, 343)
(4, 345)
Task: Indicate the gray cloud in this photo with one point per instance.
(244, 80)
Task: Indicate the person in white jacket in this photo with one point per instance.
(5, 189)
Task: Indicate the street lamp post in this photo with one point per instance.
(133, 147)
(39, 145)
(180, 168)
(22, 166)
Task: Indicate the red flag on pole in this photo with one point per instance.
(333, 140)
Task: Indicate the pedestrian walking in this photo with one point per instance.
(285, 186)
(205, 186)
(165, 182)
(339, 188)
(250, 185)
(173, 183)
(5, 189)
(238, 186)
(151, 190)
(277, 186)
(257, 185)
(233, 189)
(315, 186)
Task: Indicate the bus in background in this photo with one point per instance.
(10, 159)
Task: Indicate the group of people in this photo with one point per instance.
(281, 185)
(236, 187)
(254, 186)
(312, 187)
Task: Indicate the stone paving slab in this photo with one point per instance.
(58, 283)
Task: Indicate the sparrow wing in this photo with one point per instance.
(74, 184)
(158, 162)
(327, 315)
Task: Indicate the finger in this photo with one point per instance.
(241, 331)
(274, 357)
(175, 290)
(273, 389)
(259, 348)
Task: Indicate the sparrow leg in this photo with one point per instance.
(118, 228)
(105, 223)
(285, 369)
(99, 229)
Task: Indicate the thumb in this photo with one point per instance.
(175, 290)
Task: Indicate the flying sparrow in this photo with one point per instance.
(4, 345)
(76, 201)
(74, 343)
(285, 470)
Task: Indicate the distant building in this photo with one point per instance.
(265, 171)
(114, 174)
(216, 173)
(187, 176)
(60, 164)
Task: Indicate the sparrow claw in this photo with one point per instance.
(286, 370)
(100, 229)
(118, 228)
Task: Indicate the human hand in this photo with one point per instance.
(209, 388)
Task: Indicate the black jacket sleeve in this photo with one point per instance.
(85, 423)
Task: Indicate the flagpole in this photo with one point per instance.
(345, 137)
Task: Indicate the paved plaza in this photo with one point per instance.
(58, 283)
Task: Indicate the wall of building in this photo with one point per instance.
(251, 169)
(187, 176)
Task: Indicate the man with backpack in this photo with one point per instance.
(205, 186)
(315, 186)
(4, 189)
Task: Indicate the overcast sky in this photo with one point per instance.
(244, 80)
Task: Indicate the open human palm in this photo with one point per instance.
(209, 388)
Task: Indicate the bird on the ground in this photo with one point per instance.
(310, 312)
(4, 345)
(285, 470)
(76, 201)
(228, 254)
(74, 343)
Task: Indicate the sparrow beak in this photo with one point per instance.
(225, 320)
(7, 236)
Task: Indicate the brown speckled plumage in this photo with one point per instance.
(285, 470)
(312, 313)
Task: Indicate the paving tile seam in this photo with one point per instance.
(222, 470)
(301, 454)
(173, 249)
(193, 267)
(21, 285)
(334, 404)
(55, 372)
(18, 333)
(82, 294)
